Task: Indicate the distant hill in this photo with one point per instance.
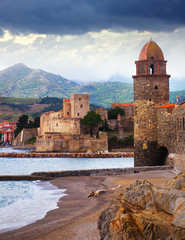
(21, 81)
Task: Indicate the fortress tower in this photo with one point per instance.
(151, 89)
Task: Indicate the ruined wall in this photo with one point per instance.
(103, 113)
(55, 142)
(79, 105)
(24, 136)
(127, 123)
(113, 124)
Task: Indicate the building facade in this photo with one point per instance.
(7, 130)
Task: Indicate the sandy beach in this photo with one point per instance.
(77, 215)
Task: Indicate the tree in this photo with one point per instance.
(22, 123)
(92, 119)
(113, 112)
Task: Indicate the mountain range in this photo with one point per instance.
(22, 81)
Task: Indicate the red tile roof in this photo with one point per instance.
(169, 107)
(122, 104)
(66, 100)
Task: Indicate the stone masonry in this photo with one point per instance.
(151, 89)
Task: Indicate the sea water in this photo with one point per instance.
(24, 202)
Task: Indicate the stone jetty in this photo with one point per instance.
(68, 155)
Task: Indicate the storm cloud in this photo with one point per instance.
(81, 16)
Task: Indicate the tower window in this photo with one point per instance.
(151, 69)
(78, 114)
(81, 106)
(67, 113)
(150, 99)
(79, 99)
(152, 57)
(156, 87)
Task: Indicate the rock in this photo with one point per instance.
(146, 212)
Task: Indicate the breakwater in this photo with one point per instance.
(67, 155)
(80, 173)
(100, 172)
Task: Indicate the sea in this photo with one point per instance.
(24, 202)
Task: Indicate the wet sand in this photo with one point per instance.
(77, 215)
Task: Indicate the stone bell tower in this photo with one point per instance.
(151, 89)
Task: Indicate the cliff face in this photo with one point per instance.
(147, 212)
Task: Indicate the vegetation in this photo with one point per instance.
(92, 119)
(173, 96)
(113, 112)
(23, 123)
(31, 140)
(114, 142)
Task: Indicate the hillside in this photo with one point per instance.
(21, 81)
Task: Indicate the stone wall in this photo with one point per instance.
(103, 113)
(100, 172)
(150, 91)
(127, 123)
(57, 142)
(24, 136)
(79, 105)
(54, 122)
(171, 134)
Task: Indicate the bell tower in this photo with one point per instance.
(151, 89)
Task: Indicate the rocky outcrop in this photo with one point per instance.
(146, 212)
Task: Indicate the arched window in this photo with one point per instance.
(151, 69)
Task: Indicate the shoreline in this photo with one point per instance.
(77, 215)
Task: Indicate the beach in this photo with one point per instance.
(77, 215)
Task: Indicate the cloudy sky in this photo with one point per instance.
(92, 40)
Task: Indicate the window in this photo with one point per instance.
(81, 106)
(67, 113)
(151, 69)
(56, 124)
(156, 87)
(150, 99)
(78, 114)
(79, 99)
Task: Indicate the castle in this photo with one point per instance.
(63, 131)
(159, 127)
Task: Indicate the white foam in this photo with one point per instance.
(27, 211)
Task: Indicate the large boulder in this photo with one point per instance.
(146, 212)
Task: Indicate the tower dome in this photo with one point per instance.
(151, 51)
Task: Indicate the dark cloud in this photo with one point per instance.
(80, 16)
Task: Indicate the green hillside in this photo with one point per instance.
(21, 81)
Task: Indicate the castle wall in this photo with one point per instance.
(54, 122)
(171, 135)
(79, 105)
(56, 142)
(66, 108)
